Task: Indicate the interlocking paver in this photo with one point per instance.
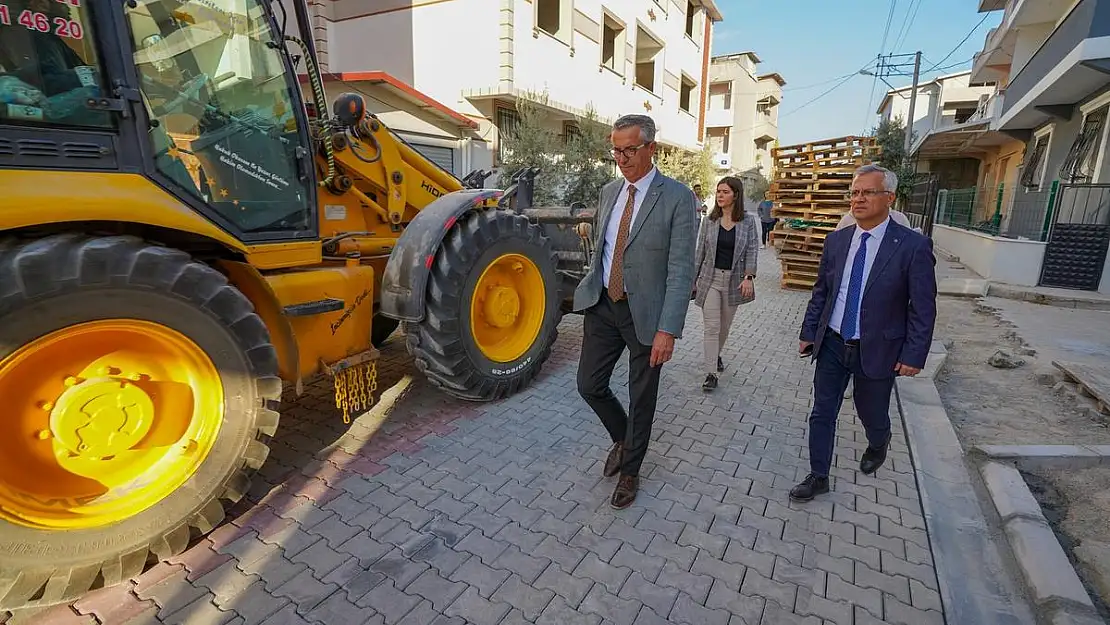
(427, 510)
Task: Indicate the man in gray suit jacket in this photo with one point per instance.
(635, 295)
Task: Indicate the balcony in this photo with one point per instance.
(1070, 65)
(991, 5)
(969, 138)
(987, 110)
(992, 63)
(719, 118)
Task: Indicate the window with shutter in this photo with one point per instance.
(1031, 171)
(1080, 163)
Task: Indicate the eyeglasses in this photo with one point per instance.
(866, 193)
(626, 152)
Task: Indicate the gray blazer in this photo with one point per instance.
(744, 257)
(658, 257)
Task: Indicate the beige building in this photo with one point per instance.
(742, 116)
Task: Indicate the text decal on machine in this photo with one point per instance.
(33, 20)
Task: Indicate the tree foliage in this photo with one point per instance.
(688, 167)
(533, 143)
(891, 137)
(587, 162)
(571, 170)
(757, 186)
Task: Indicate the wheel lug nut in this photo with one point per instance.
(72, 381)
(43, 435)
(46, 405)
(108, 371)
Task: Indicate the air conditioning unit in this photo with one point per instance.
(722, 160)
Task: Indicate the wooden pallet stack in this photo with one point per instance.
(809, 188)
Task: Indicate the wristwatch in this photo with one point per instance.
(749, 277)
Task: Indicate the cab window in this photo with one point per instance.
(48, 64)
(222, 109)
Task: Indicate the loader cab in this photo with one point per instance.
(201, 98)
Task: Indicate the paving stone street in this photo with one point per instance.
(427, 510)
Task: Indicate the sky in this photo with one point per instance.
(817, 45)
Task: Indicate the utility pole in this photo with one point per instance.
(913, 101)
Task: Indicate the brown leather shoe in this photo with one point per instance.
(613, 461)
(625, 492)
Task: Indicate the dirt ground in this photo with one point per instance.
(988, 405)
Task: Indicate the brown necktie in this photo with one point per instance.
(616, 270)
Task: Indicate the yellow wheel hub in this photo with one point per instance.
(103, 420)
(508, 306)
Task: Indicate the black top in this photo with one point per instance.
(726, 245)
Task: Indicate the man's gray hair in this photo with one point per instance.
(643, 122)
(890, 179)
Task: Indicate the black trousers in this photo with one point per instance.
(607, 331)
(838, 361)
(767, 227)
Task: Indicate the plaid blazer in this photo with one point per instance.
(745, 257)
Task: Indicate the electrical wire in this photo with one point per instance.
(962, 42)
(824, 82)
(889, 21)
(871, 97)
(824, 93)
(907, 24)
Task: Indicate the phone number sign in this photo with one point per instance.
(43, 23)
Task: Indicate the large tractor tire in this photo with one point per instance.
(493, 307)
(138, 388)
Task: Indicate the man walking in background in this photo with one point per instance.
(635, 295)
(765, 219)
(870, 318)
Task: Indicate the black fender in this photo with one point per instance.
(405, 281)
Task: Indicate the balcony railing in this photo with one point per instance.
(987, 109)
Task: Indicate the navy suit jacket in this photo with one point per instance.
(899, 306)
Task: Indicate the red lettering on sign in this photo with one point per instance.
(33, 20)
(67, 28)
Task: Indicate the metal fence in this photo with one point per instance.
(1004, 210)
(919, 207)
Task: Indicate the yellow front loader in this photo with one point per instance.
(179, 240)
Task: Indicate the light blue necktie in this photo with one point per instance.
(855, 291)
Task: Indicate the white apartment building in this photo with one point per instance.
(477, 57)
(742, 116)
(951, 137)
(941, 102)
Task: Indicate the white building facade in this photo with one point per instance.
(742, 114)
(616, 56)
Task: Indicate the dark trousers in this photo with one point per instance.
(607, 331)
(767, 226)
(838, 362)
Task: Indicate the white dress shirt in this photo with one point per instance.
(873, 243)
(611, 229)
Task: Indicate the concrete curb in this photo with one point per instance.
(959, 537)
(1009, 291)
(1047, 455)
(981, 287)
(962, 287)
(1049, 575)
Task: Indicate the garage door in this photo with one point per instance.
(444, 157)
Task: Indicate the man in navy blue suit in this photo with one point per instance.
(870, 318)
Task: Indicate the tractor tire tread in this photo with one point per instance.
(68, 262)
(436, 342)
